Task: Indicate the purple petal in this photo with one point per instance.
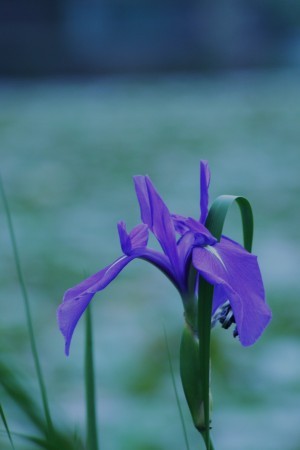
(143, 199)
(180, 223)
(139, 236)
(236, 276)
(201, 234)
(136, 239)
(204, 185)
(156, 215)
(124, 238)
(184, 247)
(76, 299)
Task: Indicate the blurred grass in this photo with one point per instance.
(68, 152)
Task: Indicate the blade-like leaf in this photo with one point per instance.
(218, 212)
(176, 393)
(27, 311)
(6, 427)
(18, 392)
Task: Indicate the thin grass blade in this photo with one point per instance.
(90, 394)
(176, 393)
(10, 382)
(6, 427)
(27, 311)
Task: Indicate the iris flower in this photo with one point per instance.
(188, 250)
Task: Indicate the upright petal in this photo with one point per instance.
(136, 239)
(236, 276)
(156, 215)
(143, 199)
(77, 298)
(204, 185)
(180, 224)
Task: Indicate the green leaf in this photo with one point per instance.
(27, 311)
(6, 427)
(10, 380)
(218, 212)
(176, 392)
(191, 375)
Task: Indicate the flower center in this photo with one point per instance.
(225, 316)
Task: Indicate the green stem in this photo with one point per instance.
(92, 437)
(204, 331)
(27, 312)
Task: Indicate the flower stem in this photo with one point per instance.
(204, 330)
(92, 435)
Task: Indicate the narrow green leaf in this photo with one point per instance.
(176, 393)
(11, 382)
(6, 427)
(27, 310)
(218, 212)
(90, 394)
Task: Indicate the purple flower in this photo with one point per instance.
(187, 247)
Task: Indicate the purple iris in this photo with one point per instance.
(189, 250)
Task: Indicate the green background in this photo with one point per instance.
(68, 152)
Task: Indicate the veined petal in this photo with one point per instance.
(156, 215)
(204, 185)
(236, 276)
(77, 298)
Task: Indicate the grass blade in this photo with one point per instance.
(6, 427)
(27, 311)
(92, 437)
(176, 393)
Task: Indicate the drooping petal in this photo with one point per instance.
(136, 239)
(236, 276)
(156, 215)
(204, 185)
(77, 298)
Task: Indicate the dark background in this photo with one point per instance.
(59, 37)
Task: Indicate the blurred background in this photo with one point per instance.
(94, 92)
